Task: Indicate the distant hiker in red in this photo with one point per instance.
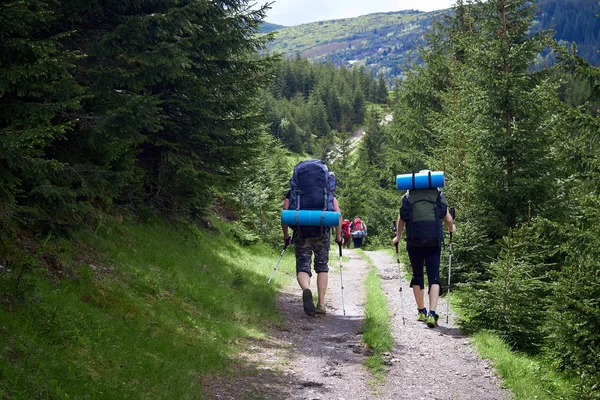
(358, 231)
(309, 181)
(346, 232)
(422, 212)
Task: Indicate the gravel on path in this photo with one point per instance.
(427, 363)
(322, 357)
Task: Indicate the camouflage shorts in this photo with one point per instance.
(305, 247)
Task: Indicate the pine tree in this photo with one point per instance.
(494, 122)
(511, 302)
(184, 116)
(37, 98)
(511, 146)
(382, 90)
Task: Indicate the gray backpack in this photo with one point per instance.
(423, 210)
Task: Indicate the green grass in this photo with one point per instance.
(377, 330)
(142, 312)
(526, 376)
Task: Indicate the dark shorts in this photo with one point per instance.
(430, 256)
(305, 247)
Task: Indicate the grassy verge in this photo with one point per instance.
(527, 377)
(377, 330)
(133, 311)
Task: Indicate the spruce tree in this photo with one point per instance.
(38, 97)
(172, 96)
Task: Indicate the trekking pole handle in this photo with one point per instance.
(395, 229)
(340, 247)
(453, 215)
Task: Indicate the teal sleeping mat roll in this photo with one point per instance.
(310, 218)
(420, 180)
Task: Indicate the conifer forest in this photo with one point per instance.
(176, 111)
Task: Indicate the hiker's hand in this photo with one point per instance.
(339, 240)
(452, 229)
(287, 240)
(395, 240)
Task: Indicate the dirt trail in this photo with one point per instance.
(430, 363)
(322, 357)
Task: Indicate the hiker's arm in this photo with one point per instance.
(449, 222)
(338, 231)
(400, 228)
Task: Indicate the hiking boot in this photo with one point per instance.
(422, 315)
(321, 309)
(432, 320)
(307, 302)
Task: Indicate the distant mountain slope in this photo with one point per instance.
(383, 41)
(386, 41)
(574, 21)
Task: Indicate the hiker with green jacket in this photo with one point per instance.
(422, 212)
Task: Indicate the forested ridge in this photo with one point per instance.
(387, 42)
(138, 112)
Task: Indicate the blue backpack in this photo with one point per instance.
(312, 187)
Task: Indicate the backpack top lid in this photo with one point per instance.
(312, 186)
(358, 224)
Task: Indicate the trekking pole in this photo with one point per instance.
(452, 213)
(341, 278)
(277, 264)
(400, 277)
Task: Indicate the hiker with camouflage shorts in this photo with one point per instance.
(312, 240)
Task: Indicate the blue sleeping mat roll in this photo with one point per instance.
(310, 218)
(420, 180)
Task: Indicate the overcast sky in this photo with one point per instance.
(296, 12)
